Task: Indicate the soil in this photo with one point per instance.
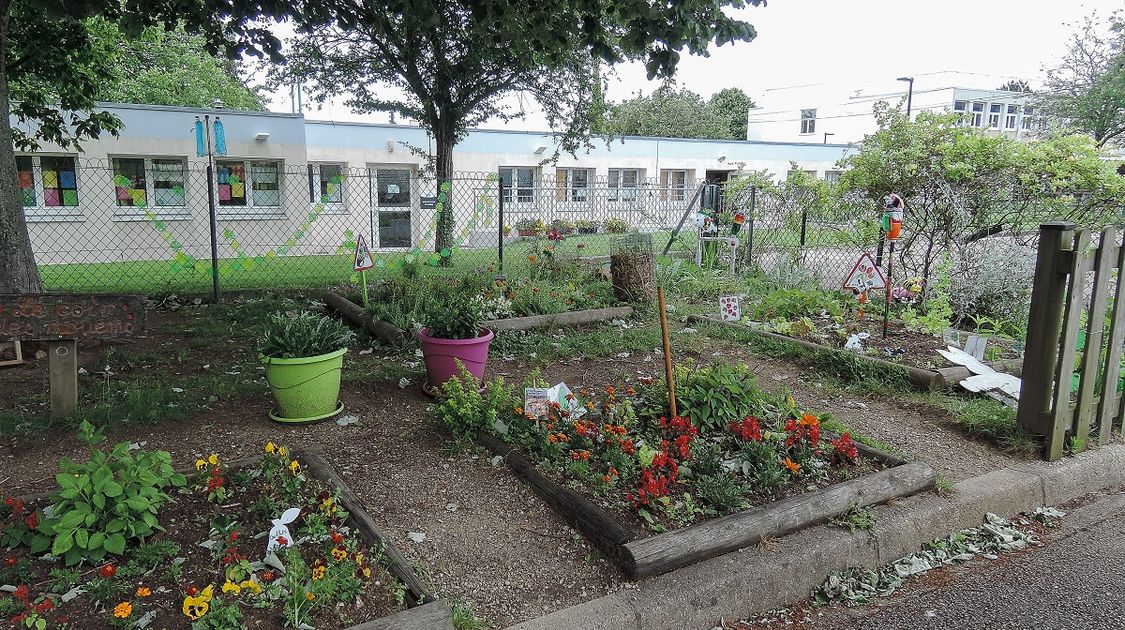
(902, 345)
(188, 519)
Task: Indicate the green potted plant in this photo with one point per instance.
(453, 337)
(562, 226)
(586, 227)
(529, 227)
(304, 357)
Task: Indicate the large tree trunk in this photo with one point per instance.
(444, 139)
(18, 273)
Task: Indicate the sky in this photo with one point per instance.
(804, 42)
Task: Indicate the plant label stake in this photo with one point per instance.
(363, 262)
(892, 222)
(864, 277)
(667, 352)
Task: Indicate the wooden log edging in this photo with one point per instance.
(386, 332)
(567, 318)
(672, 550)
(599, 527)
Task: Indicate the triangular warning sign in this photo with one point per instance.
(864, 276)
(363, 259)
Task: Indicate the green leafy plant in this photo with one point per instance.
(465, 412)
(616, 226)
(304, 334)
(459, 318)
(722, 493)
(793, 303)
(856, 517)
(106, 502)
(716, 395)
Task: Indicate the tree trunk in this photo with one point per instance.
(18, 273)
(444, 139)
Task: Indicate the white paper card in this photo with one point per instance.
(729, 308)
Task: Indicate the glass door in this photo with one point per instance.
(393, 203)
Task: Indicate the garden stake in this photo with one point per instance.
(890, 275)
(363, 281)
(667, 353)
(892, 228)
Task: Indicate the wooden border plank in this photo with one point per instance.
(1107, 406)
(683, 547)
(384, 331)
(1104, 260)
(435, 615)
(1062, 416)
(566, 318)
(17, 347)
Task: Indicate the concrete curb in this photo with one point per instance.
(757, 579)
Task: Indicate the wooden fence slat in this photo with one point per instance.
(1107, 406)
(1104, 260)
(1063, 415)
(1044, 324)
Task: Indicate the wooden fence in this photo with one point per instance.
(1071, 369)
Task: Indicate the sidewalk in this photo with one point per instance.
(758, 579)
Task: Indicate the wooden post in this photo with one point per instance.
(1104, 261)
(1044, 324)
(63, 366)
(1108, 405)
(1062, 420)
(667, 353)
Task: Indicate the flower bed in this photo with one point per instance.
(212, 560)
(623, 471)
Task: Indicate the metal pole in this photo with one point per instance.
(211, 212)
(890, 281)
(667, 344)
(500, 229)
(750, 226)
(804, 223)
(909, 96)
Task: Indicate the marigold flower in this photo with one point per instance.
(144, 591)
(123, 610)
(267, 576)
(231, 587)
(792, 465)
(309, 596)
(532, 258)
(108, 571)
(607, 478)
(519, 411)
(552, 439)
(318, 572)
(192, 591)
(336, 537)
(271, 448)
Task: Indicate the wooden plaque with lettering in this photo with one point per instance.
(60, 316)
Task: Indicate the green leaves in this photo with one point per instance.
(304, 334)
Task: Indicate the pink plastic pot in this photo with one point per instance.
(441, 357)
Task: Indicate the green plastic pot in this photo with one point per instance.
(307, 389)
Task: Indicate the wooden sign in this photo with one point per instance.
(58, 316)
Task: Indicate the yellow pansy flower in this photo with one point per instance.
(213, 459)
(252, 586)
(294, 466)
(200, 464)
(271, 448)
(231, 587)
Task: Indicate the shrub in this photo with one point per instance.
(760, 463)
(464, 411)
(106, 502)
(616, 226)
(303, 335)
(459, 318)
(707, 459)
(993, 282)
(716, 395)
(722, 493)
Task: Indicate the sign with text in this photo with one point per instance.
(51, 316)
(428, 203)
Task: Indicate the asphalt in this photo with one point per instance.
(1075, 582)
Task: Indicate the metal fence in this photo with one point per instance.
(144, 225)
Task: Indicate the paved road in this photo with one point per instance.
(1075, 582)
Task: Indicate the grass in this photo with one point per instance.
(861, 518)
(463, 617)
(986, 418)
(944, 486)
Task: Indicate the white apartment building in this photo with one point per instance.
(835, 113)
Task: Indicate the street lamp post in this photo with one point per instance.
(826, 134)
(909, 92)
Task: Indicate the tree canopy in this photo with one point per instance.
(162, 67)
(1085, 90)
(671, 112)
(453, 61)
(1015, 85)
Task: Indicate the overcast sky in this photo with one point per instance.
(811, 41)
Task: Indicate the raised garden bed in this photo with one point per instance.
(211, 568)
(656, 494)
(924, 378)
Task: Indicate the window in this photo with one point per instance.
(149, 184)
(673, 185)
(48, 186)
(326, 186)
(961, 108)
(1031, 121)
(832, 176)
(572, 184)
(623, 184)
(1010, 117)
(393, 199)
(978, 115)
(994, 111)
(808, 121)
(519, 184)
(260, 190)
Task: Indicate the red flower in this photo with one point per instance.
(108, 571)
(748, 430)
(192, 591)
(337, 537)
(282, 540)
(233, 537)
(44, 606)
(11, 561)
(267, 576)
(22, 593)
(844, 448)
(32, 520)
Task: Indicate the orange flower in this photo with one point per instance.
(519, 411)
(792, 465)
(809, 420)
(610, 390)
(552, 439)
(309, 596)
(123, 610)
(144, 591)
(607, 479)
(631, 391)
(532, 258)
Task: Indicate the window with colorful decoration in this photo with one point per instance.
(246, 184)
(149, 183)
(48, 184)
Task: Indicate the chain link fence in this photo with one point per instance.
(143, 225)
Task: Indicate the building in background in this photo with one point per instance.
(838, 113)
(290, 186)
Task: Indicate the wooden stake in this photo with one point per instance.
(667, 353)
(363, 281)
(62, 364)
